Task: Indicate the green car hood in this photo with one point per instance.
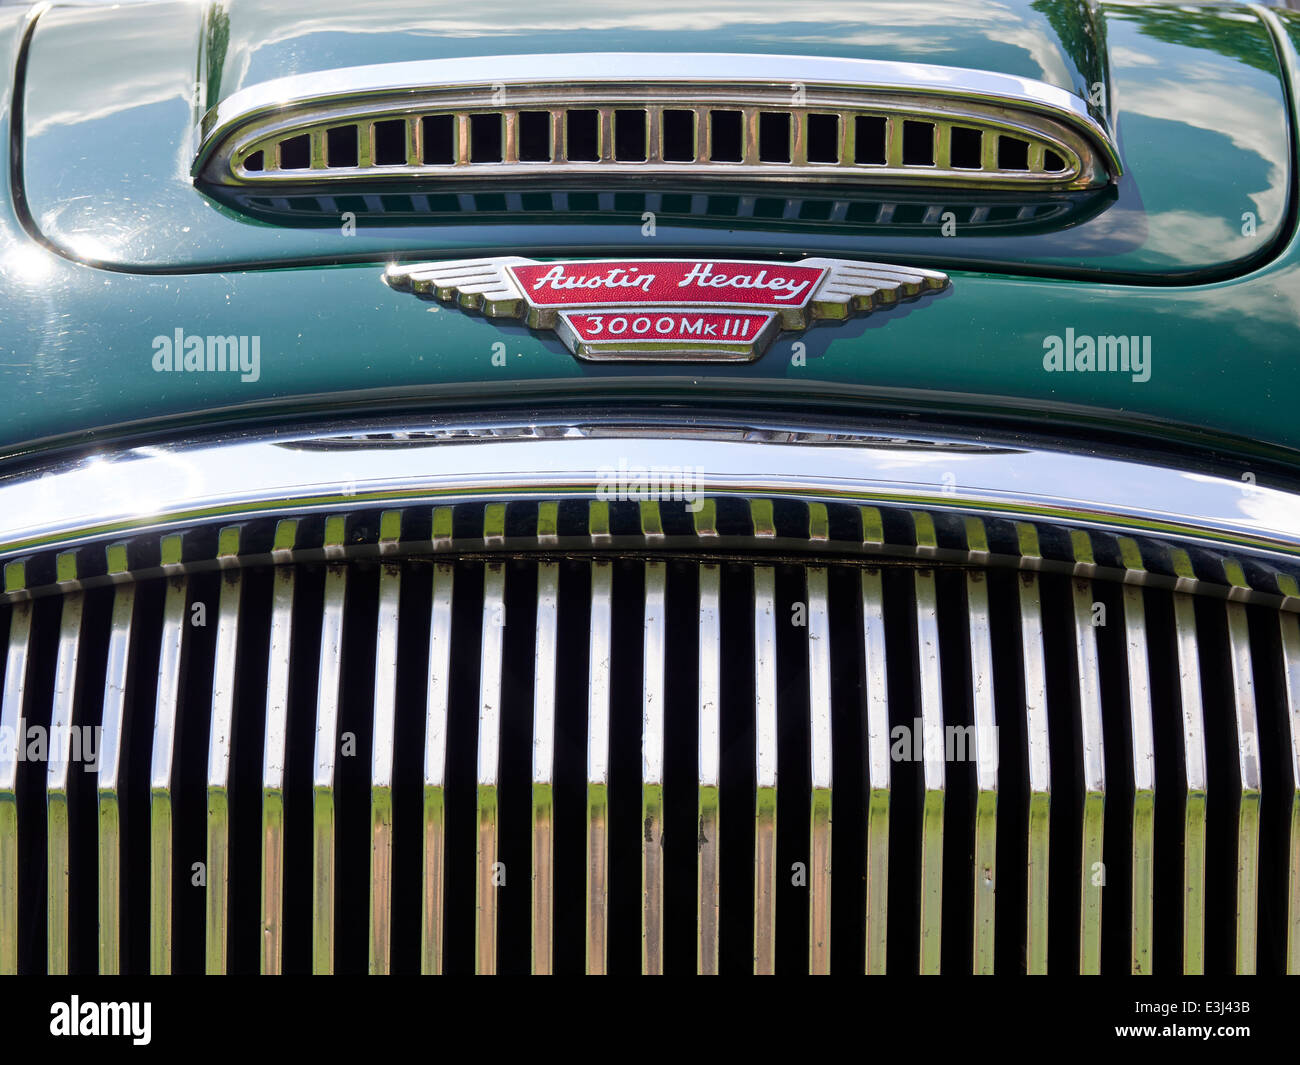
(106, 244)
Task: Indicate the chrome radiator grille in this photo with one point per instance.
(586, 756)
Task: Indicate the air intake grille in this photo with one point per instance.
(747, 127)
(632, 761)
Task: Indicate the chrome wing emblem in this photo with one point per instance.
(659, 310)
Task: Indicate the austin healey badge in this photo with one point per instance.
(666, 310)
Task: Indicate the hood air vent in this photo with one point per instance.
(651, 115)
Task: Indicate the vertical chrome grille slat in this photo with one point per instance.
(1248, 797)
(652, 770)
(1196, 796)
(708, 841)
(220, 739)
(765, 770)
(383, 744)
(876, 682)
(1290, 637)
(329, 684)
(58, 828)
(598, 708)
(1092, 779)
(1142, 730)
(985, 720)
(111, 780)
(435, 768)
(544, 696)
(489, 762)
(932, 770)
(171, 659)
(275, 749)
(17, 655)
(1038, 761)
(820, 746)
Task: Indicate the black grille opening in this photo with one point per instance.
(438, 140)
(774, 137)
(582, 136)
(678, 136)
(726, 137)
(341, 146)
(918, 144)
(253, 161)
(485, 138)
(295, 153)
(1013, 153)
(903, 948)
(390, 143)
(630, 136)
(1052, 162)
(869, 139)
(823, 138)
(534, 136)
(967, 148)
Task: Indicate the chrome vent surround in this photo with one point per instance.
(611, 698)
(739, 117)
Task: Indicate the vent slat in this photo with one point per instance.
(17, 655)
(820, 748)
(1039, 797)
(598, 707)
(220, 739)
(932, 770)
(986, 771)
(708, 844)
(489, 764)
(765, 770)
(383, 742)
(435, 769)
(57, 810)
(544, 692)
(652, 770)
(1290, 632)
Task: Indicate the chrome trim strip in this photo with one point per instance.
(544, 696)
(652, 770)
(985, 720)
(930, 690)
(381, 761)
(598, 706)
(274, 752)
(111, 782)
(489, 763)
(162, 770)
(220, 738)
(56, 783)
(1248, 798)
(174, 485)
(708, 843)
(435, 768)
(17, 657)
(1037, 742)
(329, 685)
(1196, 777)
(655, 80)
(1092, 779)
(1143, 766)
(876, 682)
(766, 759)
(819, 749)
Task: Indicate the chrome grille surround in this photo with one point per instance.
(650, 115)
(1194, 560)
